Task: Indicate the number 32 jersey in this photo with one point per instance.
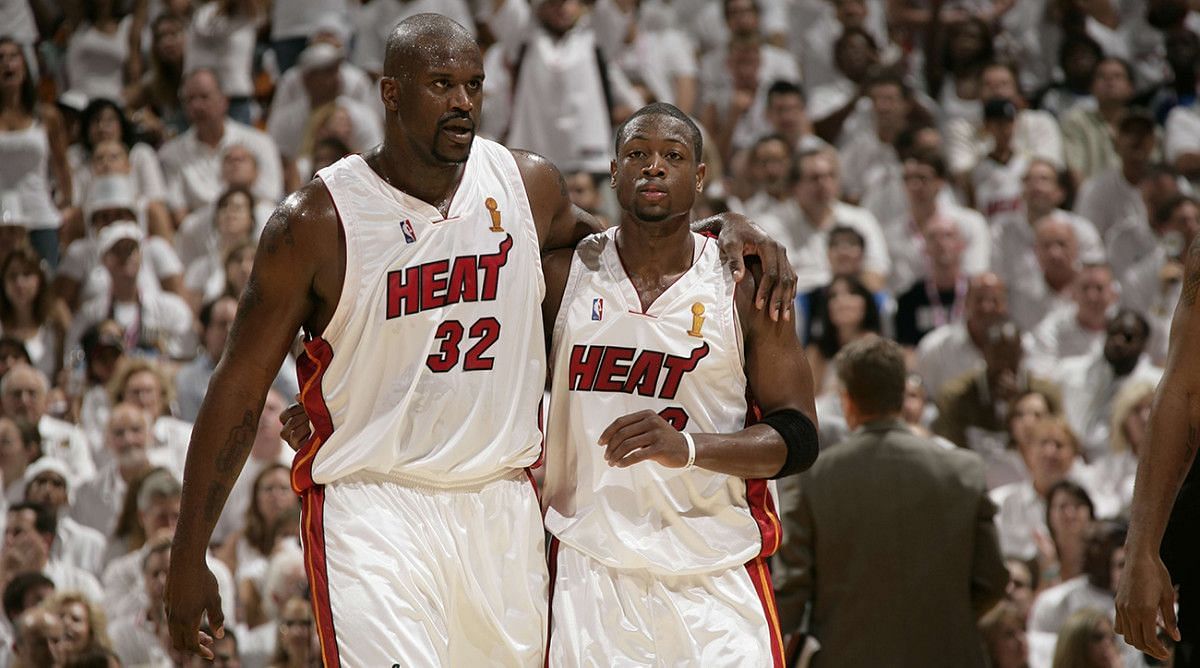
(432, 367)
(681, 358)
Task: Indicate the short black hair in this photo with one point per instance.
(1167, 209)
(845, 231)
(929, 158)
(13, 345)
(94, 109)
(784, 87)
(1126, 312)
(16, 590)
(44, 521)
(663, 109)
(1137, 122)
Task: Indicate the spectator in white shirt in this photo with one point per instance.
(1103, 559)
(742, 17)
(140, 638)
(1087, 131)
(143, 382)
(103, 121)
(1183, 141)
(1035, 134)
(1078, 330)
(233, 223)
(239, 170)
(564, 95)
(377, 19)
(29, 534)
(866, 154)
(1091, 382)
(1056, 251)
(769, 168)
(1013, 236)
(1052, 454)
(23, 395)
(996, 180)
(82, 277)
(736, 112)
(1111, 476)
(49, 483)
(1115, 194)
(222, 36)
(294, 126)
(839, 109)
(818, 186)
(1133, 238)
(955, 349)
(353, 82)
(191, 162)
(20, 446)
(924, 174)
(787, 114)
(29, 312)
(85, 628)
(126, 439)
(158, 323)
(651, 48)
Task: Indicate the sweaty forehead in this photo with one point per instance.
(656, 127)
(412, 51)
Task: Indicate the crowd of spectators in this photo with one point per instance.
(1005, 187)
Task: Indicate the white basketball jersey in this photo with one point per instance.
(683, 358)
(432, 367)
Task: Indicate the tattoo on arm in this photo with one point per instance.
(278, 231)
(240, 437)
(214, 501)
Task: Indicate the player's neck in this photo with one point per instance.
(433, 184)
(655, 249)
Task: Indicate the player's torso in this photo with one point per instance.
(681, 358)
(436, 363)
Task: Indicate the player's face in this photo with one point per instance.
(657, 173)
(437, 103)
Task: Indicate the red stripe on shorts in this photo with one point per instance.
(313, 534)
(761, 577)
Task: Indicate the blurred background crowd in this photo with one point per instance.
(1005, 187)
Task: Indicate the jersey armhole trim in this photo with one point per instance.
(347, 297)
(564, 307)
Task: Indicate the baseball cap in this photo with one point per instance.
(319, 55)
(114, 191)
(111, 234)
(54, 465)
(999, 109)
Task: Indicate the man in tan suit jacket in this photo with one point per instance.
(889, 538)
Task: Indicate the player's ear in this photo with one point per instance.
(389, 92)
(701, 173)
(612, 173)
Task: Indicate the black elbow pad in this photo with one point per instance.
(799, 435)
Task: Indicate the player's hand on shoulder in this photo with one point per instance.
(296, 429)
(739, 238)
(643, 436)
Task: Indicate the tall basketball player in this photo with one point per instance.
(657, 494)
(415, 271)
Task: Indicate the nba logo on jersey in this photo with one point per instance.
(597, 309)
(407, 228)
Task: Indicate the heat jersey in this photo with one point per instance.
(432, 367)
(682, 358)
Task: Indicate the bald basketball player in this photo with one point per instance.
(415, 273)
(1166, 500)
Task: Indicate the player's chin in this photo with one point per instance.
(452, 153)
(652, 213)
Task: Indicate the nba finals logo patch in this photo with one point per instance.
(697, 320)
(494, 210)
(407, 228)
(597, 309)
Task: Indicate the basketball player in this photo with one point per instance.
(415, 272)
(656, 493)
(1166, 500)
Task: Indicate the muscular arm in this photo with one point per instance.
(280, 297)
(1169, 453)
(778, 375)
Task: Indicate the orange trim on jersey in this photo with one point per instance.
(760, 576)
(310, 368)
(312, 509)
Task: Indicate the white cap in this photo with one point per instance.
(318, 55)
(47, 463)
(111, 234)
(74, 99)
(115, 191)
(331, 24)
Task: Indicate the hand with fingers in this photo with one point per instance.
(296, 429)
(643, 436)
(777, 286)
(191, 594)
(1145, 601)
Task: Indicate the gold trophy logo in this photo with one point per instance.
(492, 209)
(697, 320)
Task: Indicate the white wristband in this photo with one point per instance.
(691, 460)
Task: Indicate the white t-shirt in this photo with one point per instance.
(1182, 132)
(193, 169)
(1059, 335)
(287, 125)
(1107, 199)
(301, 18)
(808, 248)
(96, 61)
(375, 23)
(224, 44)
(82, 263)
(906, 246)
(1035, 134)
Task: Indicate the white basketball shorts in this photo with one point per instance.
(607, 617)
(412, 576)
